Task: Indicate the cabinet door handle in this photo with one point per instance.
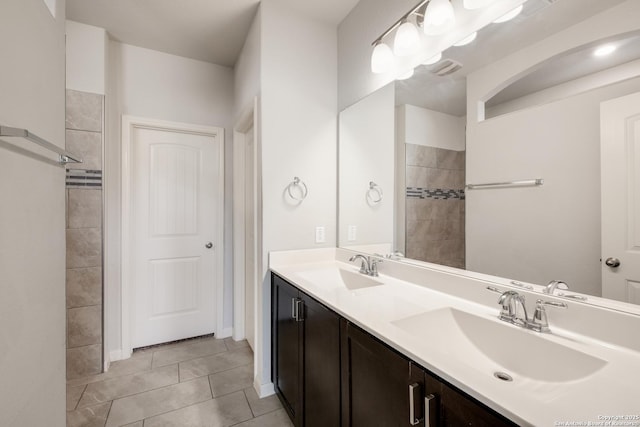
(414, 394)
(430, 411)
(294, 308)
(299, 310)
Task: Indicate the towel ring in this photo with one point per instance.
(297, 182)
(374, 193)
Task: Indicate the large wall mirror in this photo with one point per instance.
(533, 105)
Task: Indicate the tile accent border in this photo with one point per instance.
(436, 193)
(81, 178)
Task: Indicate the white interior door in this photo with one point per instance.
(620, 157)
(250, 236)
(175, 199)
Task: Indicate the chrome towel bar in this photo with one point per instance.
(64, 156)
(524, 183)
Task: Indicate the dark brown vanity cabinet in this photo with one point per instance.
(306, 356)
(329, 372)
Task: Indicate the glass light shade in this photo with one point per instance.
(438, 17)
(476, 4)
(407, 40)
(604, 50)
(435, 58)
(405, 75)
(382, 58)
(509, 15)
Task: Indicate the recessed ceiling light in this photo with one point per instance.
(605, 50)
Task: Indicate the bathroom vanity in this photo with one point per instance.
(424, 346)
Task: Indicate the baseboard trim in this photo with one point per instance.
(264, 390)
(225, 333)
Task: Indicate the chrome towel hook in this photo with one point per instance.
(374, 193)
(297, 182)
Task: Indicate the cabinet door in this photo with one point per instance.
(454, 408)
(286, 348)
(375, 382)
(321, 365)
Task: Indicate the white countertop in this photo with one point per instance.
(613, 390)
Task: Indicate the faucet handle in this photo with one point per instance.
(539, 323)
(373, 266)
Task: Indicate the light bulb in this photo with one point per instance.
(509, 15)
(435, 58)
(405, 75)
(476, 4)
(604, 50)
(407, 40)
(471, 37)
(438, 17)
(382, 58)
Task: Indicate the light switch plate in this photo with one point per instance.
(320, 235)
(351, 233)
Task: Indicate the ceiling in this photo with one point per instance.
(540, 19)
(207, 30)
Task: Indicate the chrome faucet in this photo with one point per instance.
(553, 285)
(511, 301)
(369, 265)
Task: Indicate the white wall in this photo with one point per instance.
(247, 70)
(366, 148)
(299, 127)
(157, 85)
(32, 218)
(549, 232)
(86, 64)
(432, 128)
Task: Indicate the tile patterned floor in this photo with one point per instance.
(204, 382)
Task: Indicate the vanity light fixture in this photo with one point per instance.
(435, 58)
(382, 59)
(605, 50)
(438, 17)
(509, 15)
(465, 41)
(476, 4)
(407, 39)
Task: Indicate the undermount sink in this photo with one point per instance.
(485, 343)
(350, 280)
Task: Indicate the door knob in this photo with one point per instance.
(208, 245)
(612, 262)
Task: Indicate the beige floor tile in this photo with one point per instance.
(92, 416)
(216, 363)
(232, 344)
(73, 396)
(136, 424)
(224, 411)
(261, 406)
(128, 385)
(140, 406)
(135, 364)
(187, 351)
(235, 379)
(277, 418)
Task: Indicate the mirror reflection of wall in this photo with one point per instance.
(434, 147)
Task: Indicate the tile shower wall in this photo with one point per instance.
(84, 124)
(435, 205)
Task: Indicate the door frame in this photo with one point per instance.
(129, 124)
(247, 119)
